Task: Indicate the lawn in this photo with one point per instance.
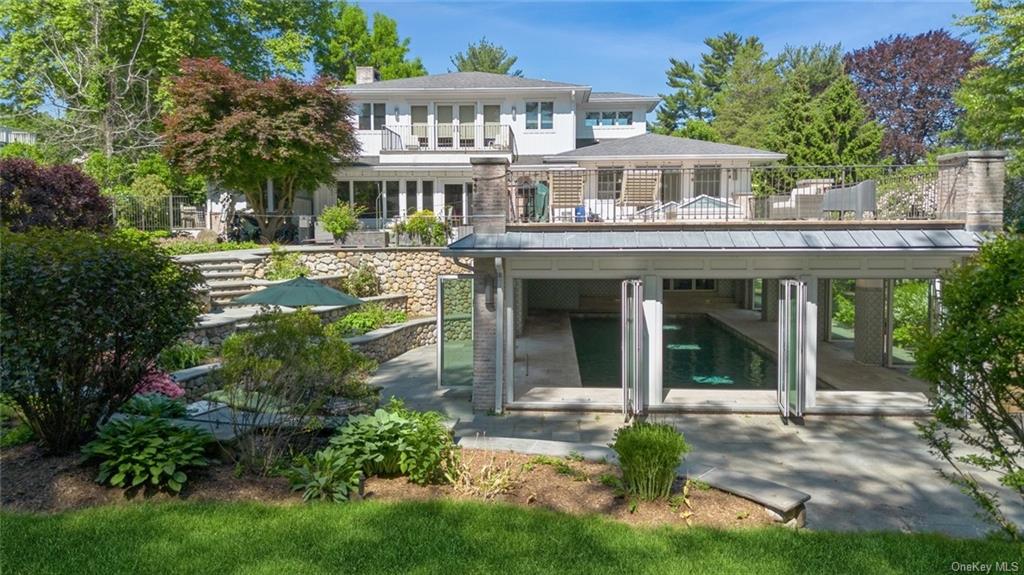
(443, 537)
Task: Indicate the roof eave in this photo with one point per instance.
(489, 253)
(767, 156)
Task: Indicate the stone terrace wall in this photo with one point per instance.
(215, 331)
(412, 271)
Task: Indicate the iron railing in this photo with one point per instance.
(161, 213)
(577, 195)
(447, 137)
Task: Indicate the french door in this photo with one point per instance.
(633, 330)
(456, 126)
(792, 353)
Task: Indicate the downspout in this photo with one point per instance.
(499, 334)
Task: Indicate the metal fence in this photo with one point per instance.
(713, 193)
(162, 213)
(432, 137)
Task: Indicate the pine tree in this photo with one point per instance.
(841, 133)
(485, 56)
(750, 90)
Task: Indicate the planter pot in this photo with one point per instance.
(408, 241)
(364, 239)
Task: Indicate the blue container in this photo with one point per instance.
(581, 214)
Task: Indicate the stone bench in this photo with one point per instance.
(784, 503)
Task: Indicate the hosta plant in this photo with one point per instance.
(328, 475)
(154, 405)
(137, 452)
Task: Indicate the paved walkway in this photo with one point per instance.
(863, 473)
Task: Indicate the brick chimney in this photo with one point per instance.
(366, 75)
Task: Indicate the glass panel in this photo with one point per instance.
(607, 118)
(445, 127)
(456, 315)
(671, 187)
(624, 119)
(343, 192)
(364, 195)
(547, 115)
(467, 122)
(391, 199)
(592, 119)
(379, 116)
(419, 124)
(492, 113)
(428, 194)
(609, 184)
(410, 197)
(532, 115)
(707, 181)
(453, 200)
(445, 114)
(419, 114)
(365, 114)
(704, 284)
(793, 344)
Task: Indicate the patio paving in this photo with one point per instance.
(863, 473)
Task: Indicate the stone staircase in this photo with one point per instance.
(226, 277)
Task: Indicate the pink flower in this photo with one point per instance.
(159, 381)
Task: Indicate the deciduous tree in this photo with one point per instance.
(240, 133)
(908, 83)
(484, 56)
(350, 42)
(59, 197)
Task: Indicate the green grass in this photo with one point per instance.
(442, 537)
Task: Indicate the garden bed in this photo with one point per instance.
(36, 482)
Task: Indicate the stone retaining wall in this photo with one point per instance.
(412, 270)
(214, 332)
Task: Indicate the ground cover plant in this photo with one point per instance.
(368, 318)
(147, 452)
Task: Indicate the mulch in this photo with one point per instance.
(32, 481)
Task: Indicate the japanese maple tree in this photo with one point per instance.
(240, 133)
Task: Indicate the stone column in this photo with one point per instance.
(769, 300)
(869, 322)
(971, 186)
(489, 196)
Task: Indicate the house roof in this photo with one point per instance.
(461, 81)
(656, 146)
(715, 241)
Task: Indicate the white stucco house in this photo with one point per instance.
(610, 268)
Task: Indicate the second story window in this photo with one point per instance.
(608, 119)
(540, 115)
(371, 116)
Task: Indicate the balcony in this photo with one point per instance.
(711, 194)
(486, 137)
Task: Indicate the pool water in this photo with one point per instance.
(699, 354)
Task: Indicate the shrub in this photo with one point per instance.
(158, 381)
(135, 452)
(286, 363)
(154, 405)
(341, 219)
(369, 317)
(18, 435)
(426, 227)
(395, 440)
(50, 196)
(284, 265)
(184, 247)
(974, 362)
(363, 282)
(649, 454)
(84, 318)
(326, 476)
(182, 355)
(910, 313)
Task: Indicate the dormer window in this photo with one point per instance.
(372, 116)
(540, 115)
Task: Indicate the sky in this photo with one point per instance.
(625, 46)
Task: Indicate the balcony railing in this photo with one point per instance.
(447, 137)
(891, 193)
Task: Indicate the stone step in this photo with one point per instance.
(220, 266)
(229, 294)
(228, 284)
(224, 275)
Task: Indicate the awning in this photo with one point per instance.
(636, 242)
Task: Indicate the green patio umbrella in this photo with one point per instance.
(297, 293)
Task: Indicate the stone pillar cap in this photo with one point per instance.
(974, 154)
(488, 161)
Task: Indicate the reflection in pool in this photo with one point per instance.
(699, 354)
